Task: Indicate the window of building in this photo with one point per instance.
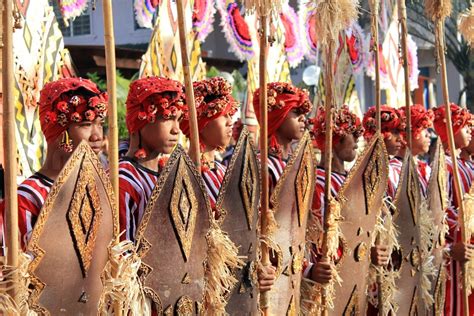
(80, 26)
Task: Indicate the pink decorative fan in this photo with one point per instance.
(235, 29)
(203, 18)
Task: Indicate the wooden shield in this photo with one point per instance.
(69, 241)
(437, 204)
(408, 259)
(172, 238)
(238, 202)
(291, 202)
(361, 199)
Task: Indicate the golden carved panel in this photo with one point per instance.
(413, 193)
(371, 176)
(248, 185)
(184, 210)
(84, 216)
(352, 307)
(303, 178)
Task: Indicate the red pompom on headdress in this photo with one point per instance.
(460, 118)
(391, 120)
(69, 100)
(282, 98)
(213, 99)
(421, 119)
(345, 122)
(151, 97)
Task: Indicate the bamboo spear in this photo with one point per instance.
(375, 6)
(332, 17)
(264, 197)
(194, 150)
(9, 144)
(264, 10)
(109, 44)
(438, 11)
(402, 12)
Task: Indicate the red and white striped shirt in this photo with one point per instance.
(424, 174)
(276, 166)
(337, 180)
(32, 194)
(453, 305)
(213, 178)
(136, 183)
(394, 170)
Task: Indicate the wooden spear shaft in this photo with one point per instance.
(9, 144)
(109, 44)
(194, 150)
(328, 103)
(264, 195)
(404, 30)
(452, 148)
(375, 31)
(375, 36)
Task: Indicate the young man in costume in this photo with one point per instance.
(392, 127)
(347, 129)
(215, 108)
(421, 122)
(467, 153)
(457, 252)
(287, 110)
(155, 106)
(70, 110)
(287, 107)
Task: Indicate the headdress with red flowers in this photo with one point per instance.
(282, 98)
(151, 97)
(421, 119)
(345, 122)
(213, 98)
(69, 100)
(460, 118)
(391, 120)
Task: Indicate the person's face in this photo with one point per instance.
(293, 126)
(393, 143)
(463, 138)
(421, 143)
(91, 132)
(470, 147)
(346, 148)
(217, 132)
(162, 135)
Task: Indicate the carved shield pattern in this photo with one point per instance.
(172, 238)
(361, 199)
(70, 238)
(238, 202)
(291, 202)
(437, 204)
(406, 217)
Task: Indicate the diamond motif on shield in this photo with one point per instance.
(183, 210)
(84, 216)
(248, 186)
(371, 175)
(412, 189)
(303, 178)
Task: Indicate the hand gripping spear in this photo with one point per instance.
(438, 11)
